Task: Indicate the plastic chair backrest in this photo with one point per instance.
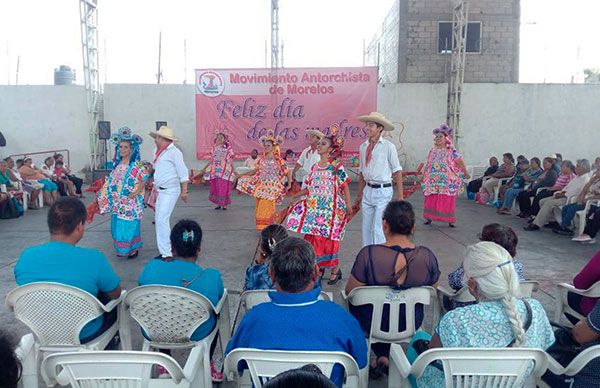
(168, 314)
(265, 364)
(251, 298)
(478, 171)
(379, 296)
(107, 369)
(54, 312)
(477, 367)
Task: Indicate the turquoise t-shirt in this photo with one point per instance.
(173, 273)
(59, 262)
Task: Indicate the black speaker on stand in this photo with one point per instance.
(160, 124)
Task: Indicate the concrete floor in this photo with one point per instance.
(230, 239)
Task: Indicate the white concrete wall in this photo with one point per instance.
(528, 119)
(40, 118)
(532, 119)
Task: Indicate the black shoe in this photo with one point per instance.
(531, 227)
(522, 215)
(427, 222)
(223, 208)
(563, 231)
(451, 224)
(218, 208)
(338, 277)
(133, 255)
(552, 225)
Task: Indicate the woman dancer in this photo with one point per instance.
(221, 171)
(266, 182)
(121, 194)
(321, 214)
(441, 179)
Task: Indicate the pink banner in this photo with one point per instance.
(247, 102)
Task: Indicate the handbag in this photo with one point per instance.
(10, 209)
(565, 348)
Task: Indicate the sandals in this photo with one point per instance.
(333, 280)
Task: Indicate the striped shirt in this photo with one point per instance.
(563, 180)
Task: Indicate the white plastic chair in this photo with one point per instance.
(116, 369)
(379, 296)
(463, 295)
(265, 364)
(169, 316)
(56, 313)
(574, 367)
(476, 172)
(501, 181)
(251, 298)
(563, 307)
(582, 214)
(25, 352)
(471, 367)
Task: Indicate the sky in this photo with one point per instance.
(557, 42)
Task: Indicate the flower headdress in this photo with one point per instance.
(124, 134)
(337, 141)
(444, 129)
(275, 139)
(225, 133)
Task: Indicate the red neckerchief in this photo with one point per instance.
(160, 151)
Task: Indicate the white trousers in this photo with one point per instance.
(373, 204)
(165, 203)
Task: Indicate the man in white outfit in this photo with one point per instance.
(309, 155)
(171, 181)
(378, 165)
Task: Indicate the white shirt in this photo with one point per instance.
(384, 162)
(250, 163)
(308, 158)
(48, 171)
(170, 169)
(574, 187)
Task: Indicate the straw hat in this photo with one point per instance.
(378, 118)
(316, 133)
(165, 132)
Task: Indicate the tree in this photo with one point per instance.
(592, 76)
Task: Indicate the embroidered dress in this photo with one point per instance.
(221, 172)
(125, 212)
(486, 325)
(267, 186)
(321, 214)
(441, 184)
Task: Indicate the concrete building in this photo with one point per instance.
(415, 42)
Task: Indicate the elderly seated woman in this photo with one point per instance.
(500, 319)
(398, 263)
(548, 178)
(30, 174)
(506, 170)
(502, 235)
(527, 173)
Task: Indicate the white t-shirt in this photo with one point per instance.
(308, 158)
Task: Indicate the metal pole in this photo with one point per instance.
(158, 75)
(17, 77)
(184, 62)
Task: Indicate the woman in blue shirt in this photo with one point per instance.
(182, 271)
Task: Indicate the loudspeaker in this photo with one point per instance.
(160, 124)
(103, 130)
(2, 140)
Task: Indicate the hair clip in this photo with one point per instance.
(188, 235)
(505, 263)
(272, 244)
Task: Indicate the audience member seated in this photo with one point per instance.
(567, 174)
(182, 271)
(61, 261)
(545, 179)
(31, 175)
(591, 191)
(587, 277)
(10, 372)
(252, 159)
(309, 376)
(397, 263)
(544, 217)
(597, 164)
(295, 319)
(587, 334)
(502, 235)
(76, 181)
(65, 186)
(475, 184)
(526, 174)
(498, 320)
(592, 227)
(32, 188)
(557, 161)
(257, 275)
(506, 170)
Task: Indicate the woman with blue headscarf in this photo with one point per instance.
(121, 194)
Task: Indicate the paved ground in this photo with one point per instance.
(230, 239)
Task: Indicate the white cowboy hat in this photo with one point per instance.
(316, 133)
(378, 118)
(165, 132)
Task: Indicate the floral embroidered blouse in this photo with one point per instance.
(323, 211)
(268, 180)
(441, 174)
(114, 196)
(221, 163)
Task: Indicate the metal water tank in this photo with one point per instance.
(64, 75)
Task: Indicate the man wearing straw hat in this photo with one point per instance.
(309, 155)
(171, 181)
(378, 165)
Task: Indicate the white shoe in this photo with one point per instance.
(582, 238)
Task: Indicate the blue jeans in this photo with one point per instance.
(568, 213)
(509, 197)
